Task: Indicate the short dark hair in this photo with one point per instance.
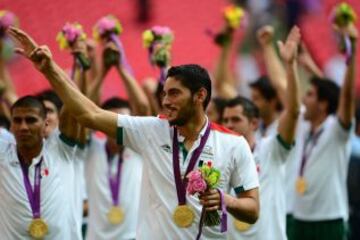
(51, 96)
(220, 104)
(250, 110)
(115, 102)
(30, 102)
(327, 91)
(193, 77)
(263, 85)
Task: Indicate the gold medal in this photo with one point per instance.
(116, 215)
(301, 185)
(38, 228)
(183, 216)
(241, 226)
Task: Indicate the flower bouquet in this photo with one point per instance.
(108, 29)
(7, 19)
(199, 181)
(69, 36)
(341, 16)
(234, 17)
(158, 42)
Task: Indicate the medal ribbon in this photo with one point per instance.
(123, 58)
(114, 181)
(306, 153)
(33, 195)
(181, 183)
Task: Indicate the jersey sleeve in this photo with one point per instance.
(137, 132)
(277, 147)
(339, 131)
(244, 176)
(65, 147)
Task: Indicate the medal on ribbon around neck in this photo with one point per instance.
(301, 185)
(241, 226)
(184, 215)
(38, 228)
(116, 215)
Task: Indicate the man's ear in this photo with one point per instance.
(201, 96)
(254, 124)
(323, 106)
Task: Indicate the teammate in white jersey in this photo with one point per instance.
(187, 92)
(36, 178)
(322, 151)
(270, 152)
(108, 160)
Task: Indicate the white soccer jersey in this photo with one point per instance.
(262, 132)
(57, 192)
(5, 135)
(325, 172)
(99, 194)
(152, 138)
(270, 154)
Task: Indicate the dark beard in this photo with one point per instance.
(184, 115)
(178, 122)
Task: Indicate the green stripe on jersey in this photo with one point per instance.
(68, 141)
(283, 143)
(120, 135)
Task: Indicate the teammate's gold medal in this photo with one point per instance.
(183, 216)
(116, 215)
(38, 228)
(301, 185)
(241, 226)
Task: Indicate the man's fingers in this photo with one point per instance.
(210, 203)
(294, 34)
(21, 37)
(210, 209)
(19, 51)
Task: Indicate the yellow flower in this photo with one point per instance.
(233, 16)
(344, 14)
(63, 44)
(2, 13)
(148, 38)
(96, 34)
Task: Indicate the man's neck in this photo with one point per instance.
(268, 120)
(315, 123)
(192, 129)
(251, 141)
(28, 154)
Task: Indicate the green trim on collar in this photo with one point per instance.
(184, 151)
(120, 136)
(346, 128)
(68, 141)
(286, 145)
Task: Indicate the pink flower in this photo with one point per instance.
(159, 30)
(198, 186)
(196, 183)
(7, 19)
(194, 175)
(105, 24)
(71, 32)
